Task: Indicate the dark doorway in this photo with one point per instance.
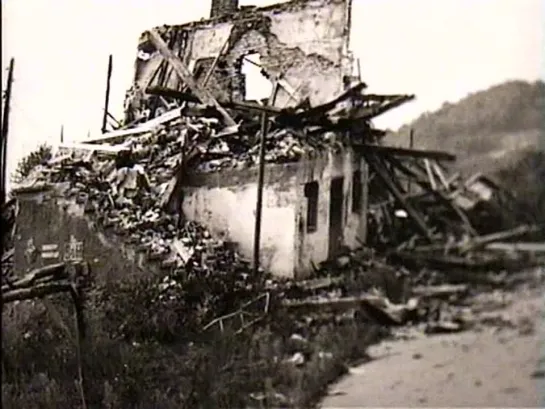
(336, 216)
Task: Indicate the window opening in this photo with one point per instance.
(311, 193)
(356, 192)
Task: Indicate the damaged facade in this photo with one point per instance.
(309, 210)
(302, 44)
(195, 137)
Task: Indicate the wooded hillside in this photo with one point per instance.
(496, 118)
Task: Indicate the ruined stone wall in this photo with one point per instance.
(304, 42)
(225, 202)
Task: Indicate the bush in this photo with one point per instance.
(138, 354)
(29, 162)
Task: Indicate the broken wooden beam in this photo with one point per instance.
(375, 111)
(142, 128)
(439, 291)
(38, 291)
(528, 247)
(185, 75)
(413, 153)
(114, 149)
(239, 105)
(36, 274)
(482, 241)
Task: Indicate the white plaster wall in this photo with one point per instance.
(230, 212)
(208, 41)
(316, 29)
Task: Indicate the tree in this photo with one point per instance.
(29, 162)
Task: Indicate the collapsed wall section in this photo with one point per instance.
(303, 43)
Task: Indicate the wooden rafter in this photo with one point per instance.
(185, 75)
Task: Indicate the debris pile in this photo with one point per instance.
(130, 180)
(426, 217)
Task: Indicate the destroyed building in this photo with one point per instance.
(311, 206)
(189, 148)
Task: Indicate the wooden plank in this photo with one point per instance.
(185, 75)
(90, 147)
(482, 241)
(430, 174)
(440, 175)
(414, 153)
(518, 247)
(140, 129)
(382, 173)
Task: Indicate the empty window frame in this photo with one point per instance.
(311, 193)
(356, 192)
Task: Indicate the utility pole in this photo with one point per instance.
(107, 97)
(411, 145)
(261, 179)
(62, 133)
(5, 129)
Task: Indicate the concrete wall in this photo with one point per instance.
(225, 202)
(304, 41)
(47, 217)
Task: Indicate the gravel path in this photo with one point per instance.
(492, 367)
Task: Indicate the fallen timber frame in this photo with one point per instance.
(185, 75)
(383, 174)
(422, 179)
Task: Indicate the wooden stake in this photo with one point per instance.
(80, 331)
(5, 131)
(107, 96)
(261, 178)
(411, 145)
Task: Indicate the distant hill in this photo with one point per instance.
(505, 116)
(499, 131)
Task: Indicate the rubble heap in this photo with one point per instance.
(128, 186)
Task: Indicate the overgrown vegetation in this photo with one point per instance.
(29, 162)
(137, 355)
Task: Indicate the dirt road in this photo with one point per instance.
(493, 367)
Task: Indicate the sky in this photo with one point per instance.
(439, 50)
